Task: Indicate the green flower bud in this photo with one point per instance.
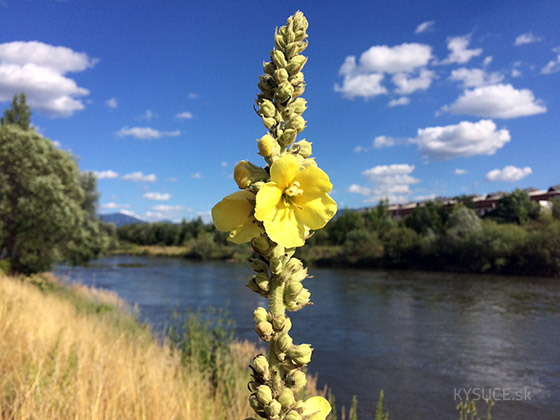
(267, 108)
(300, 354)
(253, 285)
(297, 123)
(262, 281)
(281, 76)
(295, 48)
(300, 22)
(269, 123)
(304, 148)
(300, 35)
(260, 364)
(296, 64)
(245, 173)
(296, 380)
(261, 244)
(283, 343)
(268, 145)
(304, 297)
(292, 291)
(266, 84)
(306, 163)
(264, 394)
(286, 398)
(258, 265)
(278, 322)
(294, 264)
(288, 137)
(275, 265)
(298, 90)
(273, 408)
(259, 315)
(269, 67)
(297, 79)
(279, 41)
(264, 330)
(298, 276)
(299, 106)
(300, 407)
(283, 93)
(279, 59)
(293, 415)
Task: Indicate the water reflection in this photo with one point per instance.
(417, 335)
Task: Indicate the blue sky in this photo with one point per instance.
(407, 100)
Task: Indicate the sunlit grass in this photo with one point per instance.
(75, 353)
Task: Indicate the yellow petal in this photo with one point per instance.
(233, 211)
(314, 182)
(284, 170)
(316, 408)
(268, 198)
(284, 229)
(316, 213)
(245, 232)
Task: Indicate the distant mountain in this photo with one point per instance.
(120, 219)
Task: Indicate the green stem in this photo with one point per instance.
(277, 310)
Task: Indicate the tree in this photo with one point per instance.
(42, 215)
(516, 207)
(18, 113)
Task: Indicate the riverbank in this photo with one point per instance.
(77, 352)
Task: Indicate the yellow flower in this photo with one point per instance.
(316, 408)
(294, 201)
(234, 214)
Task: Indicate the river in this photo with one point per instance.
(425, 338)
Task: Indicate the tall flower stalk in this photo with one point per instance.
(277, 209)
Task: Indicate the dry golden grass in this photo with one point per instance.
(60, 359)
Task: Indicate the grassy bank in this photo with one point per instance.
(79, 353)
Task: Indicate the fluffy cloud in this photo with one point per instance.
(461, 140)
(157, 196)
(383, 141)
(388, 181)
(139, 177)
(184, 115)
(166, 212)
(113, 205)
(475, 77)
(40, 70)
(196, 175)
(553, 65)
(146, 133)
(364, 85)
(403, 100)
(526, 38)
(459, 171)
(497, 101)
(459, 51)
(112, 103)
(407, 85)
(424, 27)
(130, 213)
(364, 78)
(508, 174)
(106, 174)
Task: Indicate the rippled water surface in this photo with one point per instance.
(424, 338)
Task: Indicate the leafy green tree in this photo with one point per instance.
(380, 218)
(18, 113)
(430, 216)
(516, 207)
(338, 228)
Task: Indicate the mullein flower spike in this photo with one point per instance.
(276, 210)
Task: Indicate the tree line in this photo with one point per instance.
(48, 208)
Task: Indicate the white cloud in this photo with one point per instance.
(475, 77)
(365, 85)
(184, 115)
(460, 52)
(106, 174)
(425, 197)
(461, 140)
(425, 26)
(157, 196)
(40, 70)
(56, 143)
(359, 149)
(383, 141)
(407, 85)
(403, 100)
(164, 211)
(139, 177)
(508, 174)
(364, 79)
(112, 103)
(192, 95)
(459, 171)
(172, 179)
(224, 164)
(196, 175)
(146, 133)
(129, 213)
(113, 205)
(497, 101)
(515, 73)
(487, 60)
(388, 181)
(552, 66)
(148, 115)
(526, 38)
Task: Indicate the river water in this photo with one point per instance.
(426, 339)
